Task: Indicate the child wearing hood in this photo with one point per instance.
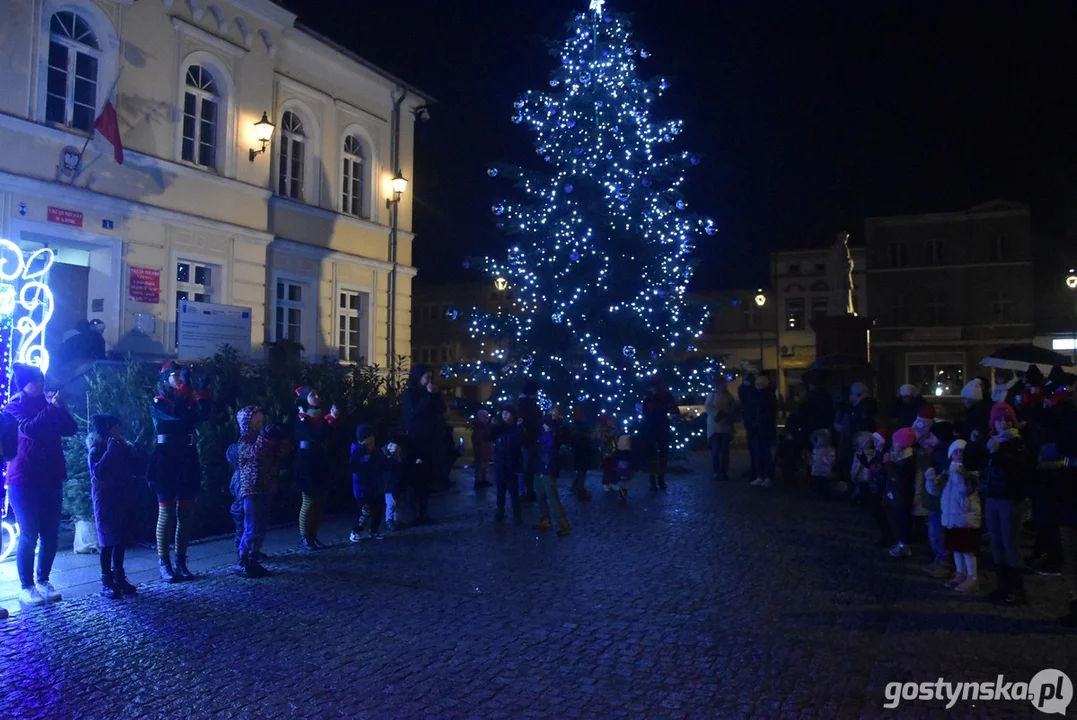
(960, 502)
(257, 460)
(116, 468)
(901, 488)
(482, 448)
(368, 466)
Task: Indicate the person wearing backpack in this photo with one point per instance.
(35, 479)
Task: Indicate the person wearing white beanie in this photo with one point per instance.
(973, 392)
(960, 518)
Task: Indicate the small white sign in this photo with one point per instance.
(202, 328)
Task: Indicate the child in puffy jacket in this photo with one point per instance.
(257, 459)
(823, 457)
(368, 466)
(960, 501)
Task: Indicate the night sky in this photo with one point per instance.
(810, 116)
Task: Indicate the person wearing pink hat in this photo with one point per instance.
(901, 488)
(1003, 465)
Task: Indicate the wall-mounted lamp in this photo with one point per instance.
(263, 131)
(399, 184)
(760, 299)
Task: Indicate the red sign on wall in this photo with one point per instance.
(144, 285)
(64, 216)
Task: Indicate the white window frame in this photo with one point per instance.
(286, 304)
(350, 162)
(362, 314)
(201, 97)
(310, 193)
(225, 160)
(74, 49)
(292, 140)
(194, 289)
(935, 360)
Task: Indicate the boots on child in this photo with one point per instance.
(108, 587)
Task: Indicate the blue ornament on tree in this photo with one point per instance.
(555, 82)
(571, 123)
(644, 54)
(694, 160)
(654, 355)
(681, 205)
(558, 318)
(664, 85)
(578, 151)
(585, 78)
(622, 196)
(646, 182)
(498, 209)
(629, 351)
(492, 172)
(518, 104)
(710, 229)
(452, 313)
(517, 119)
(527, 360)
(466, 264)
(574, 256)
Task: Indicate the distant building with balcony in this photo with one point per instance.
(947, 289)
(802, 294)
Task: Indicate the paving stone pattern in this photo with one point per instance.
(708, 601)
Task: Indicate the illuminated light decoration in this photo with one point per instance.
(26, 306)
(1071, 281)
(492, 172)
(452, 314)
(602, 255)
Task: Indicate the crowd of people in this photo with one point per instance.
(1007, 463)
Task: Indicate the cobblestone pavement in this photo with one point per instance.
(708, 601)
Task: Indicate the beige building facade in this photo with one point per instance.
(299, 233)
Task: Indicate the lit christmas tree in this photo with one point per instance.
(601, 264)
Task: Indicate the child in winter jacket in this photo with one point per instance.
(607, 447)
(1003, 465)
(368, 466)
(623, 467)
(901, 488)
(395, 464)
(582, 454)
(933, 463)
(116, 470)
(549, 469)
(869, 464)
(925, 444)
(960, 502)
(482, 448)
(508, 438)
(823, 457)
(859, 473)
(258, 457)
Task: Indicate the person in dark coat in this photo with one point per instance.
(1003, 464)
(368, 466)
(35, 479)
(1057, 467)
(422, 423)
(115, 469)
(905, 408)
(549, 470)
(747, 397)
(900, 488)
(582, 441)
(659, 406)
(316, 433)
(977, 405)
(761, 424)
(174, 472)
(529, 412)
(508, 439)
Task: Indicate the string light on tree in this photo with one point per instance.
(603, 254)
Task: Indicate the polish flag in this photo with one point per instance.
(108, 127)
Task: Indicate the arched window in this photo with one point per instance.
(354, 180)
(71, 91)
(201, 117)
(292, 156)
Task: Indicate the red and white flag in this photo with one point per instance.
(108, 127)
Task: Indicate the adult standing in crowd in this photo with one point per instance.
(530, 416)
(35, 480)
(659, 406)
(856, 417)
(906, 406)
(721, 409)
(747, 396)
(764, 429)
(977, 411)
(174, 473)
(316, 438)
(421, 424)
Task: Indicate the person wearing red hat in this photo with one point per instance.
(174, 472)
(1003, 465)
(901, 488)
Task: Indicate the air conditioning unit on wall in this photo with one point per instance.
(787, 351)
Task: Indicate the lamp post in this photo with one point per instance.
(1071, 283)
(760, 301)
(399, 185)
